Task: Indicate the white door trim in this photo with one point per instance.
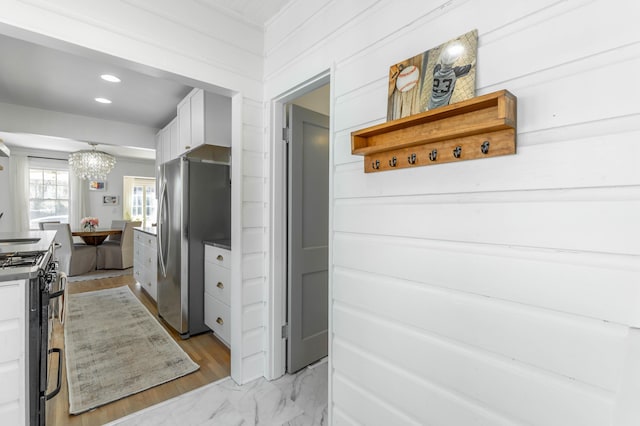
(237, 367)
(277, 262)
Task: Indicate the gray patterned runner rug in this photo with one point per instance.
(114, 347)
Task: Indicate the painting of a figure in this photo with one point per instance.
(440, 76)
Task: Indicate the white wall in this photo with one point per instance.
(124, 167)
(501, 291)
(193, 40)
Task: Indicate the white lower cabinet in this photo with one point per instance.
(13, 353)
(217, 292)
(145, 265)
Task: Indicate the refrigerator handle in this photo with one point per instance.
(161, 226)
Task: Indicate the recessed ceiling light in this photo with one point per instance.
(110, 78)
(103, 100)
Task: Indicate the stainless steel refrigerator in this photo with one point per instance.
(195, 205)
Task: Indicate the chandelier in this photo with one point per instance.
(91, 163)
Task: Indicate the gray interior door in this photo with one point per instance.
(308, 234)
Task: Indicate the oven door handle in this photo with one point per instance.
(63, 286)
(59, 384)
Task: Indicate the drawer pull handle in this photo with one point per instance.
(220, 285)
(220, 258)
(220, 321)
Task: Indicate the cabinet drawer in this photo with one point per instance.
(12, 300)
(153, 263)
(149, 260)
(138, 271)
(217, 282)
(149, 284)
(140, 274)
(217, 317)
(13, 344)
(144, 239)
(147, 279)
(149, 241)
(11, 377)
(217, 256)
(138, 254)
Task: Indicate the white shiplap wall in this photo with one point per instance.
(195, 40)
(503, 291)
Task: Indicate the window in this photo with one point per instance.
(48, 193)
(139, 200)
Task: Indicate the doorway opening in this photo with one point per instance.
(202, 346)
(300, 224)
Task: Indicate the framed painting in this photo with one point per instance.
(110, 200)
(97, 185)
(440, 76)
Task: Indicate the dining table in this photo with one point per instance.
(95, 237)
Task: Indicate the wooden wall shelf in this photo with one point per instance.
(481, 127)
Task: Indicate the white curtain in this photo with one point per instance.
(79, 199)
(127, 196)
(19, 184)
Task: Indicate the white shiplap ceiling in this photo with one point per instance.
(256, 12)
(40, 77)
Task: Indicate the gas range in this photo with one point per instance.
(16, 259)
(22, 265)
(29, 257)
(22, 255)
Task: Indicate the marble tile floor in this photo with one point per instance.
(292, 400)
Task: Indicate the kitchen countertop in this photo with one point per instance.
(151, 230)
(41, 241)
(224, 244)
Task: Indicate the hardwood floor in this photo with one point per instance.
(212, 356)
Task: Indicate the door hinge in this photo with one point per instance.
(285, 331)
(285, 134)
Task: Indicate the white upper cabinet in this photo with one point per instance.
(159, 153)
(166, 147)
(173, 140)
(184, 125)
(203, 118)
(169, 141)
